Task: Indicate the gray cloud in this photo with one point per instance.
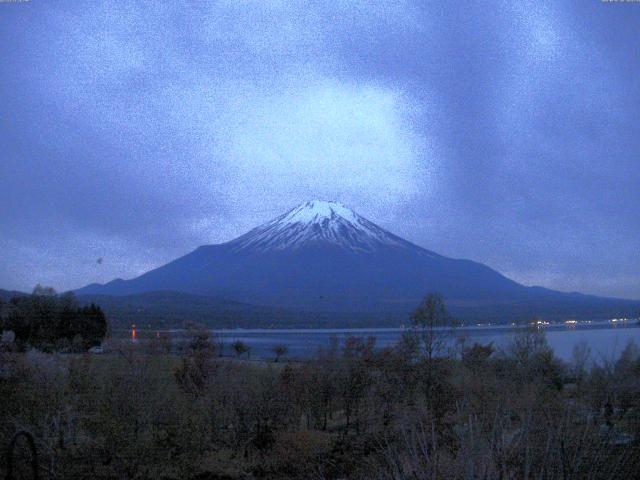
(504, 132)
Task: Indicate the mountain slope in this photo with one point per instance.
(7, 295)
(321, 256)
(161, 310)
(318, 223)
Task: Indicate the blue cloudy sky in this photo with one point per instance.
(502, 131)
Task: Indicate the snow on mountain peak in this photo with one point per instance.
(318, 223)
(316, 211)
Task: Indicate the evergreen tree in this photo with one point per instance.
(45, 321)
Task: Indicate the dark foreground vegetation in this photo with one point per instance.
(353, 412)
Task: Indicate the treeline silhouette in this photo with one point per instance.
(51, 322)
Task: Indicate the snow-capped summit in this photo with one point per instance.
(316, 211)
(318, 223)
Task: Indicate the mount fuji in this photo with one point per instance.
(323, 257)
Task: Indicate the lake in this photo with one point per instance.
(606, 339)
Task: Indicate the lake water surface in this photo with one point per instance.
(605, 339)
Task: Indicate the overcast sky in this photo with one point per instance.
(506, 132)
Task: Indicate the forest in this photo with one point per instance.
(146, 410)
(50, 322)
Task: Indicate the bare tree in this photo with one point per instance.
(42, 291)
(279, 351)
(240, 348)
(429, 321)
